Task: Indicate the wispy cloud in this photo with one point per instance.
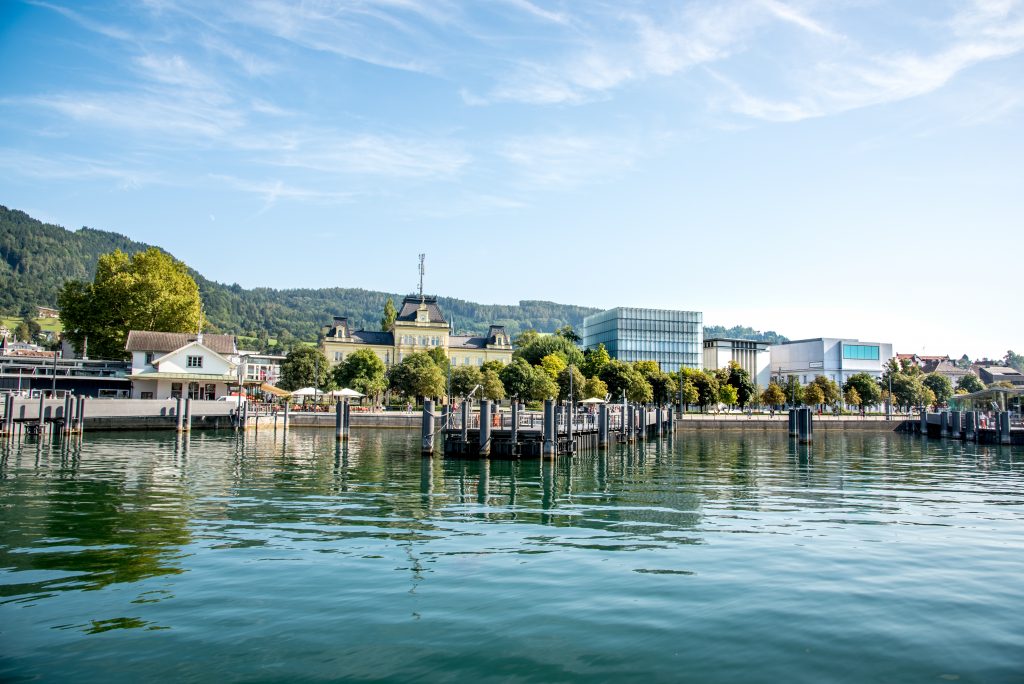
(552, 161)
(272, 191)
(75, 168)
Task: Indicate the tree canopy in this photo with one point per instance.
(940, 386)
(390, 314)
(148, 291)
(362, 371)
(866, 387)
(417, 376)
(306, 366)
(773, 395)
(970, 383)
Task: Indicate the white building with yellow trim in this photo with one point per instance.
(419, 326)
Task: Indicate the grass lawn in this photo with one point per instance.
(51, 324)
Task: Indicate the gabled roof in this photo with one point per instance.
(374, 337)
(194, 343)
(164, 342)
(411, 304)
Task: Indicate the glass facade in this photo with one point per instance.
(675, 339)
(863, 352)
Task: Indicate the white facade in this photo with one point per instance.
(754, 357)
(835, 358)
(194, 371)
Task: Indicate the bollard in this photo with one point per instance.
(570, 416)
(9, 415)
(66, 425)
(1004, 427)
(631, 426)
(792, 422)
(179, 419)
(339, 418)
(188, 415)
(81, 414)
(41, 412)
(924, 423)
(243, 419)
(804, 425)
(661, 424)
(515, 427)
(427, 429)
(970, 431)
(944, 423)
(346, 419)
(549, 427)
(602, 427)
(284, 426)
(485, 427)
(464, 431)
(957, 424)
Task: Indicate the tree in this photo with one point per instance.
(727, 394)
(594, 360)
(517, 377)
(578, 383)
(829, 390)
(568, 333)
(525, 338)
(595, 387)
(494, 365)
(1013, 360)
(22, 332)
(852, 397)
(553, 364)
(492, 387)
(927, 397)
(149, 291)
(304, 366)
(465, 379)
(970, 383)
(417, 376)
(740, 379)
(663, 385)
(707, 386)
(540, 347)
(387, 321)
(688, 394)
(541, 385)
(773, 395)
(440, 358)
(794, 392)
(362, 371)
(940, 386)
(34, 329)
(812, 395)
(867, 389)
(624, 378)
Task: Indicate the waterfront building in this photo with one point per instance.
(835, 358)
(994, 374)
(672, 338)
(169, 365)
(31, 371)
(260, 368)
(419, 326)
(754, 357)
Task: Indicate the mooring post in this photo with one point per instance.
(924, 422)
(179, 419)
(9, 414)
(971, 425)
(515, 426)
(792, 422)
(66, 426)
(485, 427)
(631, 430)
(661, 424)
(346, 418)
(284, 425)
(464, 428)
(1004, 427)
(602, 427)
(81, 414)
(339, 417)
(244, 417)
(943, 423)
(41, 409)
(188, 414)
(427, 428)
(549, 427)
(957, 424)
(804, 425)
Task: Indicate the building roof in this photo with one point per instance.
(411, 304)
(947, 367)
(150, 341)
(194, 377)
(374, 337)
(466, 342)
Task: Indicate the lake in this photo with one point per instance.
(716, 558)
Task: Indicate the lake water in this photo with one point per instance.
(716, 559)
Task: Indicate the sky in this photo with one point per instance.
(815, 167)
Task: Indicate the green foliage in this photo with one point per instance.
(830, 393)
(727, 394)
(622, 377)
(525, 338)
(866, 387)
(1014, 360)
(148, 291)
(688, 393)
(812, 395)
(493, 388)
(940, 386)
(852, 396)
(362, 371)
(970, 383)
(542, 386)
(493, 365)
(794, 391)
(739, 332)
(465, 379)
(390, 314)
(594, 360)
(440, 358)
(773, 395)
(568, 333)
(417, 375)
(740, 379)
(553, 364)
(23, 332)
(536, 349)
(578, 383)
(305, 367)
(517, 377)
(706, 385)
(595, 387)
(663, 385)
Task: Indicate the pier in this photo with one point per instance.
(556, 430)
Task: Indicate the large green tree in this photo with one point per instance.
(542, 386)
(970, 383)
(868, 390)
(465, 379)
(940, 386)
(493, 388)
(578, 383)
(595, 387)
(517, 377)
(773, 395)
(538, 348)
(416, 376)
(813, 395)
(148, 291)
(740, 379)
(624, 378)
(362, 371)
(306, 366)
(594, 360)
(830, 392)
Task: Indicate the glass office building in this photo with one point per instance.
(675, 339)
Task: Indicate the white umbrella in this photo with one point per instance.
(350, 393)
(593, 400)
(306, 392)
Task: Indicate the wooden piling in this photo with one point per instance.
(550, 440)
(485, 427)
(427, 428)
(188, 415)
(339, 417)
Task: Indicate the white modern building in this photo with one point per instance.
(753, 357)
(835, 358)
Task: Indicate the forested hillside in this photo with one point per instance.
(37, 258)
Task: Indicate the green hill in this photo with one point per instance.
(36, 259)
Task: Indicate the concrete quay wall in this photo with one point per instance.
(764, 424)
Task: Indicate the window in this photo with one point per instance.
(193, 390)
(146, 395)
(861, 352)
(211, 392)
(175, 390)
(149, 358)
(193, 361)
(337, 356)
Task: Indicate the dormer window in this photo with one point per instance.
(193, 361)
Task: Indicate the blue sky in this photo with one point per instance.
(813, 167)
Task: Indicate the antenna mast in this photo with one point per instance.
(422, 271)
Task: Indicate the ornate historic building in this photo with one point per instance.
(419, 326)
